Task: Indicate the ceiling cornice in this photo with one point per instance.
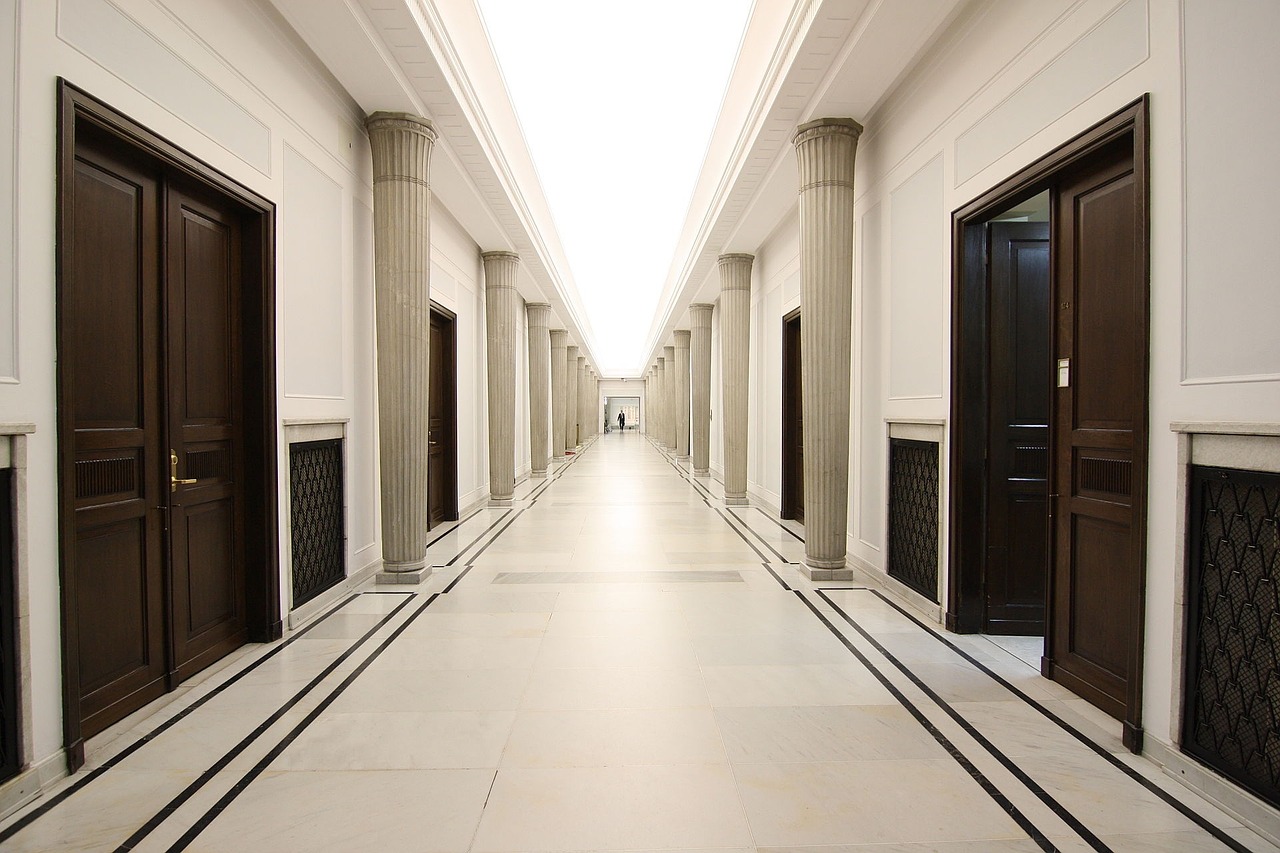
(425, 56)
(808, 73)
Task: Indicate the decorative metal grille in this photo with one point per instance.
(10, 760)
(318, 521)
(1231, 711)
(913, 514)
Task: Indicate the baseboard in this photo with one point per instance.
(1234, 800)
(303, 614)
(765, 499)
(905, 595)
(471, 500)
(32, 782)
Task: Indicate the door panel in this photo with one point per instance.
(1017, 552)
(1100, 438)
(205, 422)
(792, 422)
(112, 525)
(442, 483)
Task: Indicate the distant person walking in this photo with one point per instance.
(622, 421)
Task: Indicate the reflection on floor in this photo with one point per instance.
(620, 663)
(1029, 650)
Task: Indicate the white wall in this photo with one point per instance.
(1010, 82)
(222, 80)
(457, 276)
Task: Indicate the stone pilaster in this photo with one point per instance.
(539, 318)
(401, 145)
(501, 305)
(682, 393)
(559, 393)
(825, 152)
(735, 357)
(700, 386)
(571, 398)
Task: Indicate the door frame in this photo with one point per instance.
(791, 401)
(970, 393)
(451, 421)
(261, 540)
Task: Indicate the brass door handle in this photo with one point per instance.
(174, 479)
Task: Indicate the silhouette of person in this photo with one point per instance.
(622, 420)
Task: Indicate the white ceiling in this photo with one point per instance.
(799, 59)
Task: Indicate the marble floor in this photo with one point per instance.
(619, 662)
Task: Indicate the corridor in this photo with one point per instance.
(619, 662)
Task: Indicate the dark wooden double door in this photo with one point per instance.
(1017, 568)
(442, 421)
(792, 421)
(152, 456)
(1050, 366)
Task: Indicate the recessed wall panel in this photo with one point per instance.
(916, 285)
(1232, 70)
(313, 280)
(114, 40)
(1102, 55)
(8, 145)
(868, 497)
(364, 517)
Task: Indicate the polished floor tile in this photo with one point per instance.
(619, 667)
(613, 808)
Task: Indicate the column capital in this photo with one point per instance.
(682, 338)
(735, 271)
(559, 338)
(825, 152)
(824, 127)
(500, 269)
(385, 121)
(700, 313)
(539, 313)
(570, 351)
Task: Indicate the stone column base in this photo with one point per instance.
(705, 472)
(412, 576)
(684, 458)
(504, 502)
(815, 573)
(538, 475)
(735, 501)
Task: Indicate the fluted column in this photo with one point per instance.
(501, 304)
(571, 398)
(539, 317)
(825, 152)
(700, 386)
(660, 399)
(670, 387)
(559, 340)
(735, 356)
(401, 145)
(594, 385)
(582, 399)
(583, 396)
(647, 419)
(682, 393)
